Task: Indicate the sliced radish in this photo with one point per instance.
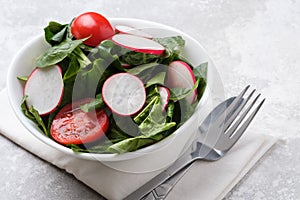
(44, 88)
(124, 94)
(138, 44)
(180, 75)
(126, 66)
(132, 31)
(164, 96)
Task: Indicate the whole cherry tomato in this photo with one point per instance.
(93, 25)
(71, 125)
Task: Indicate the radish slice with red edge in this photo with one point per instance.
(164, 96)
(132, 31)
(126, 66)
(138, 44)
(44, 89)
(124, 94)
(180, 75)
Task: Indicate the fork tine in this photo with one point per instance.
(231, 107)
(235, 112)
(242, 129)
(233, 128)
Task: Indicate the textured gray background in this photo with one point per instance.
(251, 42)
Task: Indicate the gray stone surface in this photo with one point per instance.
(251, 42)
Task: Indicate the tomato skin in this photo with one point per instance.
(78, 127)
(94, 25)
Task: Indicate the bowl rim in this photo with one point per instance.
(95, 156)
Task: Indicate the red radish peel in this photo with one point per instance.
(125, 65)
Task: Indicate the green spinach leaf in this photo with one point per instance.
(155, 122)
(55, 32)
(145, 112)
(33, 115)
(95, 104)
(201, 71)
(158, 79)
(82, 59)
(173, 46)
(72, 70)
(201, 74)
(22, 78)
(180, 93)
(137, 58)
(57, 53)
(142, 68)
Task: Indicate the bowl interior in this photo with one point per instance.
(23, 65)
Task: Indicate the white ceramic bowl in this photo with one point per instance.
(150, 158)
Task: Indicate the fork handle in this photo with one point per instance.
(161, 191)
(180, 163)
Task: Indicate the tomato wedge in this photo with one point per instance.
(74, 126)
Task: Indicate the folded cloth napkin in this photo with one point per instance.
(205, 180)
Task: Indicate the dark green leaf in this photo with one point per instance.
(141, 68)
(50, 120)
(180, 93)
(68, 92)
(170, 111)
(149, 71)
(110, 47)
(171, 43)
(60, 36)
(95, 104)
(89, 80)
(57, 53)
(186, 110)
(115, 133)
(126, 125)
(103, 52)
(72, 69)
(55, 32)
(82, 59)
(25, 110)
(130, 144)
(173, 46)
(136, 58)
(38, 119)
(201, 88)
(33, 115)
(152, 128)
(152, 92)
(201, 71)
(159, 79)
(155, 122)
(145, 112)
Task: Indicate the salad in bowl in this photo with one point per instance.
(110, 89)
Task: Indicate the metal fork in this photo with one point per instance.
(218, 133)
